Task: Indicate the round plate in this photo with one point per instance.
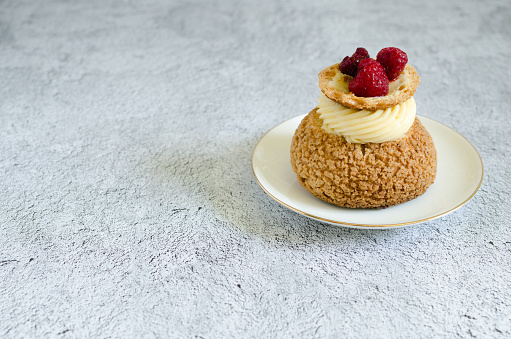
(459, 176)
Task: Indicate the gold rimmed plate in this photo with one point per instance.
(459, 176)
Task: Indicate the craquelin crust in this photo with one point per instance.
(362, 175)
(400, 90)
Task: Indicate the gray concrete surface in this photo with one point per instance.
(128, 208)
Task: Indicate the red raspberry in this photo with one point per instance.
(371, 81)
(349, 65)
(362, 52)
(366, 62)
(393, 61)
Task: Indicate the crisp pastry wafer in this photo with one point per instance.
(334, 85)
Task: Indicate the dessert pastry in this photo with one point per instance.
(363, 146)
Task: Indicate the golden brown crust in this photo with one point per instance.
(362, 175)
(400, 90)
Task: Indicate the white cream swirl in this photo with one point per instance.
(363, 126)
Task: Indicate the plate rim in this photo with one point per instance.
(369, 226)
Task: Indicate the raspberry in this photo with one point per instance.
(362, 51)
(371, 81)
(349, 65)
(393, 61)
(366, 62)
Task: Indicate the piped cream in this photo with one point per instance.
(365, 126)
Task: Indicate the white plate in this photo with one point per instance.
(459, 176)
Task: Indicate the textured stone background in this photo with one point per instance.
(128, 204)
